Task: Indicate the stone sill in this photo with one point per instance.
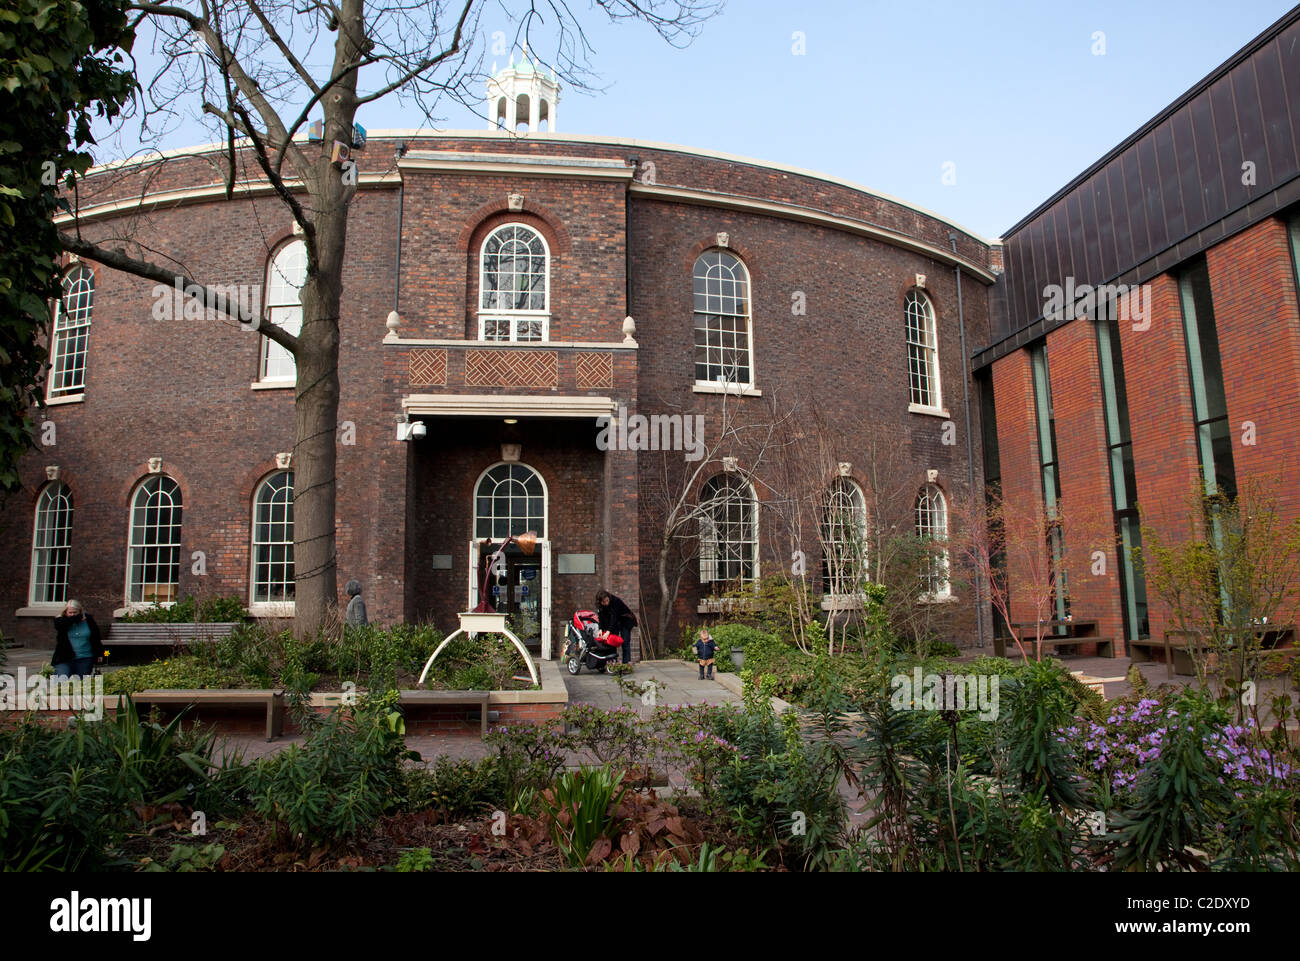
(66, 399)
(928, 411)
(726, 605)
(40, 610)
(741, 390)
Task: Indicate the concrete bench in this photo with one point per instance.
(274, 701)
(438, 698)
(165, 635)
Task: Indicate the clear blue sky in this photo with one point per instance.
(886, 93)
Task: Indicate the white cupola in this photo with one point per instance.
(522, 99)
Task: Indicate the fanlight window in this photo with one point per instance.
(723, 345)
(285, 276)
(514, 300)
(71, 333)
(510, 500)
(273, 573)
(932, 527)
(154, 551)
(728, 531)
(844, 539)
(922, 351)
(51, 540)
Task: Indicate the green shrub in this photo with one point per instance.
(208, 611)
(338, 782)
(456, 788)
(173, 673)
(69, 795)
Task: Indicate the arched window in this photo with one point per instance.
(51, 539)
(844, 539)
(286, 273)
(71, 334)
(723, 345)
(273, 576)
(153, 563)
(514, 285)
(509, 499)
(728, 531)
(932, 529)
(922, 352)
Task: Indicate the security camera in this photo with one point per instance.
(418, 430)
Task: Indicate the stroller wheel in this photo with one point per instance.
(575, 666)
(602, 667)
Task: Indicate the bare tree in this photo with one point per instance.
(675, 497)
(243, 65)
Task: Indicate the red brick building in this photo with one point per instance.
(511, 295)
(487, 289)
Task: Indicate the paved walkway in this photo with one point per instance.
(675, 682)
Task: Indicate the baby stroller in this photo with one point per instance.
(586, 644)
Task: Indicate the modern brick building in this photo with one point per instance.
(507, 290)
(1191, 375)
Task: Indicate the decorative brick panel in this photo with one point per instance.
(511, 368)
(595, 370)
(428, 368)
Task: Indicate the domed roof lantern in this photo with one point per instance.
(522, 98)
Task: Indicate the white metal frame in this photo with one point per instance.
(268, 607)
(718, 299)
(72, 318)
(283, 310)
(177, 509)
(514, 317)
(48, 493)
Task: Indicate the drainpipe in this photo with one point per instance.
(970, 451)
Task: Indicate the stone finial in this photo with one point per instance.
(515, 201)
(284, 459)
(393, 322)
(629, 330)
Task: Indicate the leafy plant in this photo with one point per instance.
(414, 861)
(581, 806)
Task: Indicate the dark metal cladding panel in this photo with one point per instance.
(1189, 182)
(1288, 45)
(1175, 218)
(1209, 173)
(1228, 142)
(1080, 269)
(1017, 265)
(1136, 203)
(1059, 263)
(1120, 211)
(1089, 231)
(1153, 207)
(1105, 223)
(1278, 121)
(1254, 146)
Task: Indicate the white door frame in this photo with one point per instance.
(544, 549)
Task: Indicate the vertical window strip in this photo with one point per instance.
(922, 351)
(1050, 475)
(273, 561)
(1209, 404)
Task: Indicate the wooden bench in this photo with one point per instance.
(167, 635)
(437, 698)
(274, 701)
(1179, 646)
(1105, 645)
